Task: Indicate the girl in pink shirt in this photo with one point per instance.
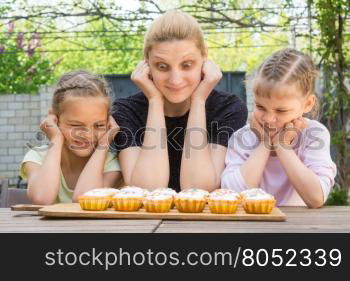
(280, 150)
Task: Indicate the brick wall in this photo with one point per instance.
(20, 116)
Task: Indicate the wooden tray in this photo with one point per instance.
(73, 210)
(26, 207)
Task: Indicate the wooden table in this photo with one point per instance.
(326, 219)
(24, 221)
(299, 219)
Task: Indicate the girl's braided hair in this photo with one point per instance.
(288, 66)
(79, 84)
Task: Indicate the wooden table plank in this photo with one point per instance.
(299, 219)
(14, 221)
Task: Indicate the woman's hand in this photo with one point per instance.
(290, 131)
(50, 127)
(211, 76)
(141, 76)
(109, 135)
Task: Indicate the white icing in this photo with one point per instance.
(128, 194)
(196, 190)
(135, 189)
(259, 196)
(227, 196)
(253, 191)
(190, 195)
(101, 192)
(110, 189)
(223, 191)
(256, 194)
(164, 190)
(158, 196)
(146, 192)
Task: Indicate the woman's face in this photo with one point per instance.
(83, 122)
(176, 68)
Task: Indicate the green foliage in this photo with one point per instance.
(109, 52)
(244, 58)
(23, 69)
(335, 60)
(115, 45)
(338, 197)
(240, 46)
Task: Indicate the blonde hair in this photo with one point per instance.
(79, 84)
(288, 66)
(174, 25)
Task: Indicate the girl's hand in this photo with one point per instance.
(50, 128)
(109, 135)
(141, 76)
(211, 76)
(290, 131)
(259, 130)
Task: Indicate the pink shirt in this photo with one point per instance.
(313, 149)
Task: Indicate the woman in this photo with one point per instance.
(175, 132)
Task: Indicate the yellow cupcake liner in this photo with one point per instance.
(110, 205)
(158, 206)
(172, 206)
(127, 204)
(222, 206)
(94, 203)
(190, 205)
(241, 198)
(258, 206)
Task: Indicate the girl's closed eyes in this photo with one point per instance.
(277, 110)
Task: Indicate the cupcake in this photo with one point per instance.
(221, 191)
(223, 201)
(134, 189)
(158, 203)
(112, 191)
(249, 191)
(96, 199)
(190, 201)
(258, 202)
(127, 200)
(197, 190)
(166, 191)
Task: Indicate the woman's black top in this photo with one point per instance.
(225, 113)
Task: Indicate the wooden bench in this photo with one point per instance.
(11, 196)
